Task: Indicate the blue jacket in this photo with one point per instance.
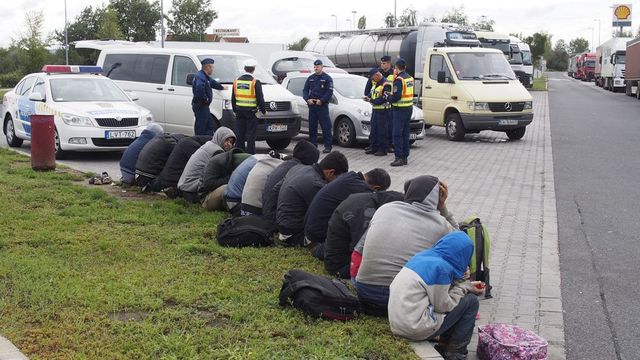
(130, 156)
(397, 88)
(202, 88)
(238, 178)
(318, 87)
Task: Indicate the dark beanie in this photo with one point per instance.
(306, 152)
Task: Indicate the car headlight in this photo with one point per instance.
(75, 120)
(146, 118)
(365, 113)
(227, 105)
(294, 107)
(478, 106)
(528, 105)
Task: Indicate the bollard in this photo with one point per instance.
(43, 148)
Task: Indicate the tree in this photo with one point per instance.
(408, 17)
(578, 45)
(483, 24)
(390, 21)
(32, 47)
(138, 19)
(429, 19)
(362, 22)
(540, 43)
(456, 16)
(109, 27)
(299, 45)
(190, 19)
(558, 59)
(84, 27)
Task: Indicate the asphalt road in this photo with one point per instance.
(597, 166)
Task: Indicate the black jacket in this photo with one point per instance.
(296, 191)
(154, 155)
(178, 160)
(327, 200)
(219, 169)
(349, 222)
(259, 95)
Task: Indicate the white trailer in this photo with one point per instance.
(610, 57)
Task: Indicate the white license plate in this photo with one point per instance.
(120, 134)
(413, 136)
(276, 128)
(508, 122)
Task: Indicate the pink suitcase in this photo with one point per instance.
(510, 342)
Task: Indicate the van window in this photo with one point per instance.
(296, 85)
(438, 64)
(182, 66)
(147, 68)
(28, 82)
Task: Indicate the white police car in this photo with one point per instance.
(91, 112)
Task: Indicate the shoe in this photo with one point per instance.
(404, 161)
(397, 162)
(390, 149)
(367, 148)
(171, 192)
(370, 151)
(326, 151)
(106, 179)
(380, 153)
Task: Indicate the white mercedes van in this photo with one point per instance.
(159, 78)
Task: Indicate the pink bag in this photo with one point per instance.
(509, 342)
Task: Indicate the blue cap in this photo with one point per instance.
(386, 58)
(401, 62)
(207, 61)
(317, 62)
(373, 71)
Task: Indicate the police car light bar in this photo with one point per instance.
(72, 69)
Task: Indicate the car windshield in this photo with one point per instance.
(526, 57)
(516, 58)
(351, 87)
(503, 46)
(590, 63)
(86, 89)
(481, 66)
(620, 59)
(228, 68)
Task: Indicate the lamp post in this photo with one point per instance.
(598, 20)
(161, 24)
(353, 23)
(334, 15)
(592, 39)
(349, 21)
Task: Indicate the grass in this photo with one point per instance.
(85, 275)
(540, 84)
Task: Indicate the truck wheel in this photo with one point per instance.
(627, 88)
(345, 132)
(455, 127)
(516, 134)
(10, 133)
(278, 144)
(60, 154)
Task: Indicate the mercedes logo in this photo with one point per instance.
(273, 106)
(508, 106)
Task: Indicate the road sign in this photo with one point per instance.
(621, 15)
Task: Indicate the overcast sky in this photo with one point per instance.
(285, 21)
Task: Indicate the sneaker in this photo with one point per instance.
(370, 152)
(397, 162)
(380, 153)
(326, 150)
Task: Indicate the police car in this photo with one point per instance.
(91, 112)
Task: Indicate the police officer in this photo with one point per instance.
(401, 100)
(381, 114)
(202, 97)
(317, 92)
(387, 73)
(246, 99)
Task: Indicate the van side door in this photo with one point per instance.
(179, 117)
(435, 95)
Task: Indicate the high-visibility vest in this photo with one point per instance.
(390, 79)
(245, 93)
(406, 99)
(377, 92)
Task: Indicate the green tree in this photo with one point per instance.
(558, 59)
(578, 45)
(408, 17)
(484, 24)
(299, 45)
(138, 19)
(109, 27)
(190, 19)
(362, 22)
(456, 16)
(84, 27)
(390, 21)
(32, 53)
(540, 43)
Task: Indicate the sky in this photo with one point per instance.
(286, 21)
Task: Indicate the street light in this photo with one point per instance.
(349, 21)
(334, 15)
(354, 19)
(162, 24)
(592, 40)
(598, 20)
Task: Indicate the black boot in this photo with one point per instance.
(397, 162)
(370, 151)
(404, 161)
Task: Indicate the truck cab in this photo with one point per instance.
(468, 90)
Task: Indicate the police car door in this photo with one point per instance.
(26, 108)
(177, 105)
(435, 95)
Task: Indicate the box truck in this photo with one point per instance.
(632, 68)
(611, 57)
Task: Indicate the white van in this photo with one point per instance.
(159, 77)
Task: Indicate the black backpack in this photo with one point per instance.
(318, 296)
(479, 265)
(245, 231)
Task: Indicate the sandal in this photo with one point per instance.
(95, 180)
(106, 179)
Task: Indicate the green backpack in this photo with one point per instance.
(481, 247)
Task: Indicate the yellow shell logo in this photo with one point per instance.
(622, 12)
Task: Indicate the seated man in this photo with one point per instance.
(237, 180)
(398, 231)
(303, 153)
(429, 297)
(170, 174)
(348, 223)
(251, 203)
(130, 155)
(297, 190)
(191, 178)
(216, 176)
(154, 156)
(328, 199)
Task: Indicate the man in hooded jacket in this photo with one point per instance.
(154, 156)
(130, 155)
(170, 174)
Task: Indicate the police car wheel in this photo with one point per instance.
(454, 127)
(345, 132)
(60, 154)
(10, 134)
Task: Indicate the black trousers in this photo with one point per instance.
(246, 128)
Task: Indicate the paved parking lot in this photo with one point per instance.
(510, 185)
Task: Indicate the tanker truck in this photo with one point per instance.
(357, 51)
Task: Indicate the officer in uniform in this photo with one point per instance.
(317, 92)
(401, 100)
(381, 114)
(387, 73)
(246, 99)
(202, 96)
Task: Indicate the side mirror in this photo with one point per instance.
(442, 77)
(334, 99)
(613, 59)
(190, 78)
(134, 96)
(36, 96)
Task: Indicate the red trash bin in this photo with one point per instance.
(43, 148)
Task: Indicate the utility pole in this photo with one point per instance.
(395, 14)
(161, 23)
(598, 20)
(353, 23)
(335, 16)
(66, 38)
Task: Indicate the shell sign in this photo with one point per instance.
(621, 15)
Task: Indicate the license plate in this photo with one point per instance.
(413, 136)
(120, 134)
(276, 128)
(508, 122)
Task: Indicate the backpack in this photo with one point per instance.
(510, 342)
(479, 264)
(245, 231)
(318, 296)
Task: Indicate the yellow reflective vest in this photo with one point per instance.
(245, 93)
(377, 91)
(406, 100)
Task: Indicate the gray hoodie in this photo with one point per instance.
(401, 229)
(191, 177)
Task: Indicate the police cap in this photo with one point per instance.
(401, 62)
(317, 62)
(207, 61)
(250, 63)
(373, 71)
(386, 58)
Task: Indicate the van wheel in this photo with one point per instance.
(516, 134)
(60, 154)
(10, 133)
(455, 128)
(345, 133)
(278, 144)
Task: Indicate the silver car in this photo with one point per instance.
(350, 114)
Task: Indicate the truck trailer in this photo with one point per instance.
(632, 68)
(610, 56)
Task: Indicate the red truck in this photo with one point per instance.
(632, 68)
(586, 66)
